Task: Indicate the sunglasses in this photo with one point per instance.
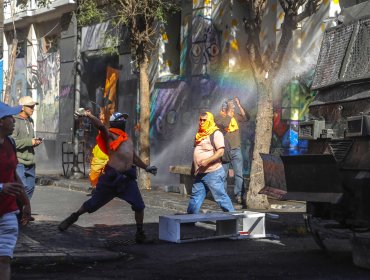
(202, 120)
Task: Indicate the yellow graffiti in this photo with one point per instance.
(165, 37)
(234, 45)
(323, 26)
(281, 16)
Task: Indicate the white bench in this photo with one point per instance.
(226, 226)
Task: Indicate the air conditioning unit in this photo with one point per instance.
(358, 126)
(310, 130)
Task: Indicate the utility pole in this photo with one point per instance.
(76, 172)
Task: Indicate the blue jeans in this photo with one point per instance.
(214, 182)
(27, 173)
(237, 164)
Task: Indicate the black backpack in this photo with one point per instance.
(226, 158)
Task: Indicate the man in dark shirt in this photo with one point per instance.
(228, 122)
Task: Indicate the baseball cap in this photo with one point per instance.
(27, 101)
(117, 116)
(6, 110)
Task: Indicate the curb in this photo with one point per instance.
(60, 257)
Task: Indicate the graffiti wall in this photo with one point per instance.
(213, 67)
(47, 78)
(290, 108)
(19, 86)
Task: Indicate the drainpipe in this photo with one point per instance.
(75, 171)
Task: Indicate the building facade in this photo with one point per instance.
(200, 60)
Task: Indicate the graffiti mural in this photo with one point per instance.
(47, 75)
(205, 50)
(19, 86)
(293, 108)
(213, 67)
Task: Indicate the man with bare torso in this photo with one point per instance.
(119, 176)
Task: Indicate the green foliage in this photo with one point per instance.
(89, 13)
(141, 17)
(43, 3)
(112, 43)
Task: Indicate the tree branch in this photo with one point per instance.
(311, 7)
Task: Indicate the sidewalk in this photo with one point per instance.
(41, 242)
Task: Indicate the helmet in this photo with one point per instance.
(118, 120)
(117, 116)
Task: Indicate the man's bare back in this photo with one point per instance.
(121, 159)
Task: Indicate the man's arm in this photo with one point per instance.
(243, 113)
(97, 124)
(218, 154)
(139, 163)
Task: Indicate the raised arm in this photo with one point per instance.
(243, 113)
(95, 122)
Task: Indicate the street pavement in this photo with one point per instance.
(103, 235)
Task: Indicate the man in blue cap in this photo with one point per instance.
(119, 177)
(11, 189)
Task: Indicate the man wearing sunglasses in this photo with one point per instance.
(24, 136)
(207, 166)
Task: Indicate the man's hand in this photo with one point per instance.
(203, 162)
(151, 169)
(14, 189)
(26, 214)
(237, 101)
(80, 112)
(36, 142)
